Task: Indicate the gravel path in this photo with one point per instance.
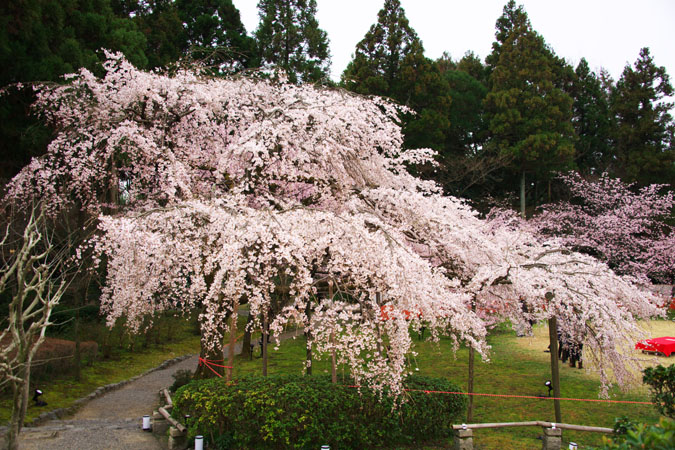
(112, 421)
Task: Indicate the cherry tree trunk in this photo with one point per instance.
(233, 338)
(214, 354)
(246, 340)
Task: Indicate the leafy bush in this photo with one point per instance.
(642, 436)
(661, 381)
(308, 411)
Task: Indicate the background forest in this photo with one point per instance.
(503, 127)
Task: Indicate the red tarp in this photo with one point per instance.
(665, 345)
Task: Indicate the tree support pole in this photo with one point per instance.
(333, 372)
(472, 358)
(555, 373)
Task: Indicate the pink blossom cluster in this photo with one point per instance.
(618, 223)
(211, 191)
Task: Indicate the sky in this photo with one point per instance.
(608, 33)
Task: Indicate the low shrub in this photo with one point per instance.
(661, 381)
(634, 436)
(309, 411)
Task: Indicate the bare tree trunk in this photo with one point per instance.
(37, 281)
(522, 194)
(19, 405)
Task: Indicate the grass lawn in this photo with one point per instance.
(518, 366)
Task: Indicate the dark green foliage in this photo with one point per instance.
(161, 24)
(378, 59)
(645, 129)
(307, 412)
(472, 65)
(661, 381)
(389, 61)
(467, 119)
(634, 436)
(528, 109)
(592, 121)
(289, 38)
(40, 40)
(215, 35)
(208, 31)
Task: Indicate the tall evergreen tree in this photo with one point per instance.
(644, 133)
(160, 22)
(529, 113)
(591, 120)
(467, 118)
(379, 56)
(289, 38)
(208, 31)
(471, 64)
(41, 40)
(216, 36)
(389, 61)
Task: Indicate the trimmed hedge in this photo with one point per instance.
(309, 411)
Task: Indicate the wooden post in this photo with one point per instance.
(469, 412)
(308, 339)
(265, 333)
(233, 338)
(332, 341)
(472, 357)
(555, 374)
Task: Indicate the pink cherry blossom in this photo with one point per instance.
(210, 191)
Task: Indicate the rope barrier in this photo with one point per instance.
(211, 362)
(597, 400)
(594, 400)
